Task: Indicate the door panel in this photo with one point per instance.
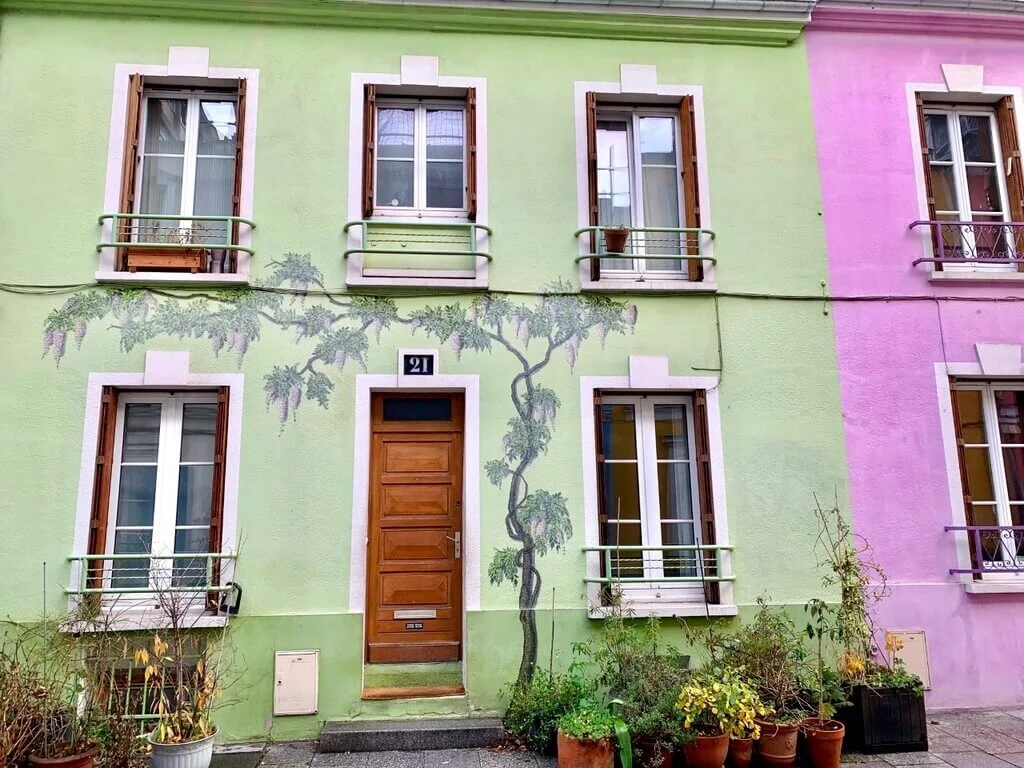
(414, 576)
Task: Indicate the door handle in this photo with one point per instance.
(457, 538)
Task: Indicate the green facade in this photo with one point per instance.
(780, 416)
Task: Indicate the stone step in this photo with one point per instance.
(411, 735)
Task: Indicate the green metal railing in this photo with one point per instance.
(704, 569)
(97, 574)
(127, 232)
(683, 243)
(405, 233)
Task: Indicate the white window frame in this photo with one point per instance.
(193, 97)
(959, 164)
(419, 208)
(632, 116)
(166, 492)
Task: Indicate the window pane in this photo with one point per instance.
(976, 131)
(613, 178)
(128, 574)
(417, 409)
(943, 188)
(195, 491)
(395, 132)
(445, 130)
(658, 141)
(983, 188)
(674, 490)
(661, 209)
(670, 432)
(629, 564)
(1008, 405)
(937, 131)
(621, 491)
(199, 425)
(445, 185)
(165, 126)
(679, 562)
(395, 183)
(979, 478)
(972, 420)
(618, 431)
(215, 182)
(217, 129)
(984, 514)
(161, 193)
(141, 432)
(1013, 460)
(136, 496)
(190, 571)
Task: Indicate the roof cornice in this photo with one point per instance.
(989, 18)
(745, 22)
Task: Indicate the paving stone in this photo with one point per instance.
(395, 760)
(1006, 725)
(1015, 758)
(290, 753)
(972, 760)
(493, 759)
(452, 758)
(1018, 713)
(940, 741)
(993, 742)
(908, 758)
(872, 761)
(857, 758)
(285, 765)
(340, 760)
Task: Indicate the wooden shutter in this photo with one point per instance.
(369, 146)
(691, 193)
(102, 476)
(704, 494)
(961, 455)
(471, 154)
(926, 169)
(591, 107)
(602, 512)
(1007, 121)
(129, 164)
(220, 448)
(236, 193)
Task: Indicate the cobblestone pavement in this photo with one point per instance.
(973, 739)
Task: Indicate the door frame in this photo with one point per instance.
(368, 384)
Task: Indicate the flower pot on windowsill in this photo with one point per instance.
(707, 751)
(155, 258)
(190, 754)
(824, 740)
(615, 239)
(86, 759)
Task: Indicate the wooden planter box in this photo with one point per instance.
(884, 720)
(167, 259)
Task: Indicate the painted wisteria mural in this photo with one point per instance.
(335, 331)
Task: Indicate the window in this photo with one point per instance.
(183, 158)
(420, 156)
(643, 176)
(654, 492)
(990, 438)
(973, 181)
(159, 491)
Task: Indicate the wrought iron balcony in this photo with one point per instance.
(440, 240)
(686, 244)
(145, 574)
(675, 564)
(995, 549)
(158, 242)
(974, 242)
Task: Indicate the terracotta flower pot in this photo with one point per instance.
(82, 760)
(741, 752)
(824, 741)
(707, 751)
(585, 753)
(615, 240)
(777, 744)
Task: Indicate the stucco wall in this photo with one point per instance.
(887, 350)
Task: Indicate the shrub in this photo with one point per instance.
(719, 701)
(536, 707)
(587, 722)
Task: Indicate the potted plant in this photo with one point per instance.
(536, 706)
(713, 705)
(823, 734)
(585, 738)
(887, 710)
(615, 239)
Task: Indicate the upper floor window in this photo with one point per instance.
(973, 184)
(642, 178)
(181, 183)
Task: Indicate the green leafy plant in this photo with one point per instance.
(587, 721)
(822, 627)
(536, 706)
(717, 702)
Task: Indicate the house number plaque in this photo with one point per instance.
(416, 366)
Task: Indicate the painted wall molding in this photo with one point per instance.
(1004, 20)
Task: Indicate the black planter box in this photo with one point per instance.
(884, 720)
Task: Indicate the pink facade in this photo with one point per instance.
(895, 411)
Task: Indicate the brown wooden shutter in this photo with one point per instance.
(591, 107)
(129, 164)
(961, 456)
(236, 193)
(369, 146)
(1007, 121)
(102, 476)
(704, 493)
(220, 449)
(691, 193)
(471, 153)
(926, 169)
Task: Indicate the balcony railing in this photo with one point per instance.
(159, 242)
(686, 244)
(144, 574)
(995, 549)
(674, 564)
(446, 248)
(974, 242)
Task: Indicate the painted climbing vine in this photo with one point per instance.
(335, 331)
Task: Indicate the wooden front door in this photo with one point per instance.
(414, 562)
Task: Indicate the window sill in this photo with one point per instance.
(173, 278)
(129, 621)
(632, 285)
(423, 279)
(667, 610)
(951, 276)
(994, 587)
